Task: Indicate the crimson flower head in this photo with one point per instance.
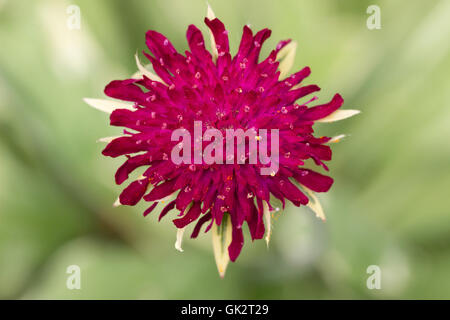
(186, 106)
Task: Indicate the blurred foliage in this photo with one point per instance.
(389, 205)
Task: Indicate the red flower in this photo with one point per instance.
(222, 91)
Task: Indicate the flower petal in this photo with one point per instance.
(166, 209)
(236, 244)
(126, 90)
(160, 191)
(121, 146)
(219, 33)
(150, 209)
(321, 111)
(200, 223)
(254, 222)
(313, 180)
(197, 44)
(134, 192)
(292, 193)
(193, 214)
(296, 94)
(129, 166)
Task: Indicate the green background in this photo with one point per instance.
(389, 205)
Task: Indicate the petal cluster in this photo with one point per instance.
(223, 91)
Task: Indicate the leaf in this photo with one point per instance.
(221, 238)
(144, 71)
(336, 139)
(108, 106)
(211, 16)
(268, 222)
(286, 56)
(314, 204)
(339, 115)
(180, 233)
(117, 203)
(108, 139)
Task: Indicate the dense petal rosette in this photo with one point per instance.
(223, 92)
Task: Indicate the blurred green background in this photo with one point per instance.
(389, 205)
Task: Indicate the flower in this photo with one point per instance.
(241, 92)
